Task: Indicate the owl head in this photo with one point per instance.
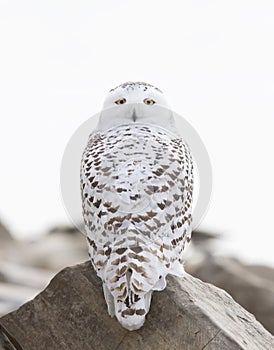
(136, 103)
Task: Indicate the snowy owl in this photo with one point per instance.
(136, 187)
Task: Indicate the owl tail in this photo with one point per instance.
(129, 279)
(131, 312)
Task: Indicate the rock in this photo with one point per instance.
(250, 286)
(68, 229)
(265, 272)
(52, 252)
(5, 236)
(71, 313)
(25, 275)
(202, 245)
(5, 344)
(203, 237)
(6, 242)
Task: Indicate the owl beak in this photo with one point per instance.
(134, 116)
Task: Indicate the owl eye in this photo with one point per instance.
(149, 101)
(121, 101)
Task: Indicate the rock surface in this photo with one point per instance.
(250, 286)
(5, 344)
(71, 314)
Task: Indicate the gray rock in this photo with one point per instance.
(5, 236)
(250, 286)
(5, 344)
(71, 314)
(67, 229)
(265, 272)
(204, 237)
(6, 241)
(25, 275)
(52, 252)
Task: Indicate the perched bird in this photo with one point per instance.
(136, 187)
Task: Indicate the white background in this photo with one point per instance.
(214, 62)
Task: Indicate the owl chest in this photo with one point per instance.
(133, 160)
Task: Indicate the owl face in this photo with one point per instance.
(135, 102)
(135, 93)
